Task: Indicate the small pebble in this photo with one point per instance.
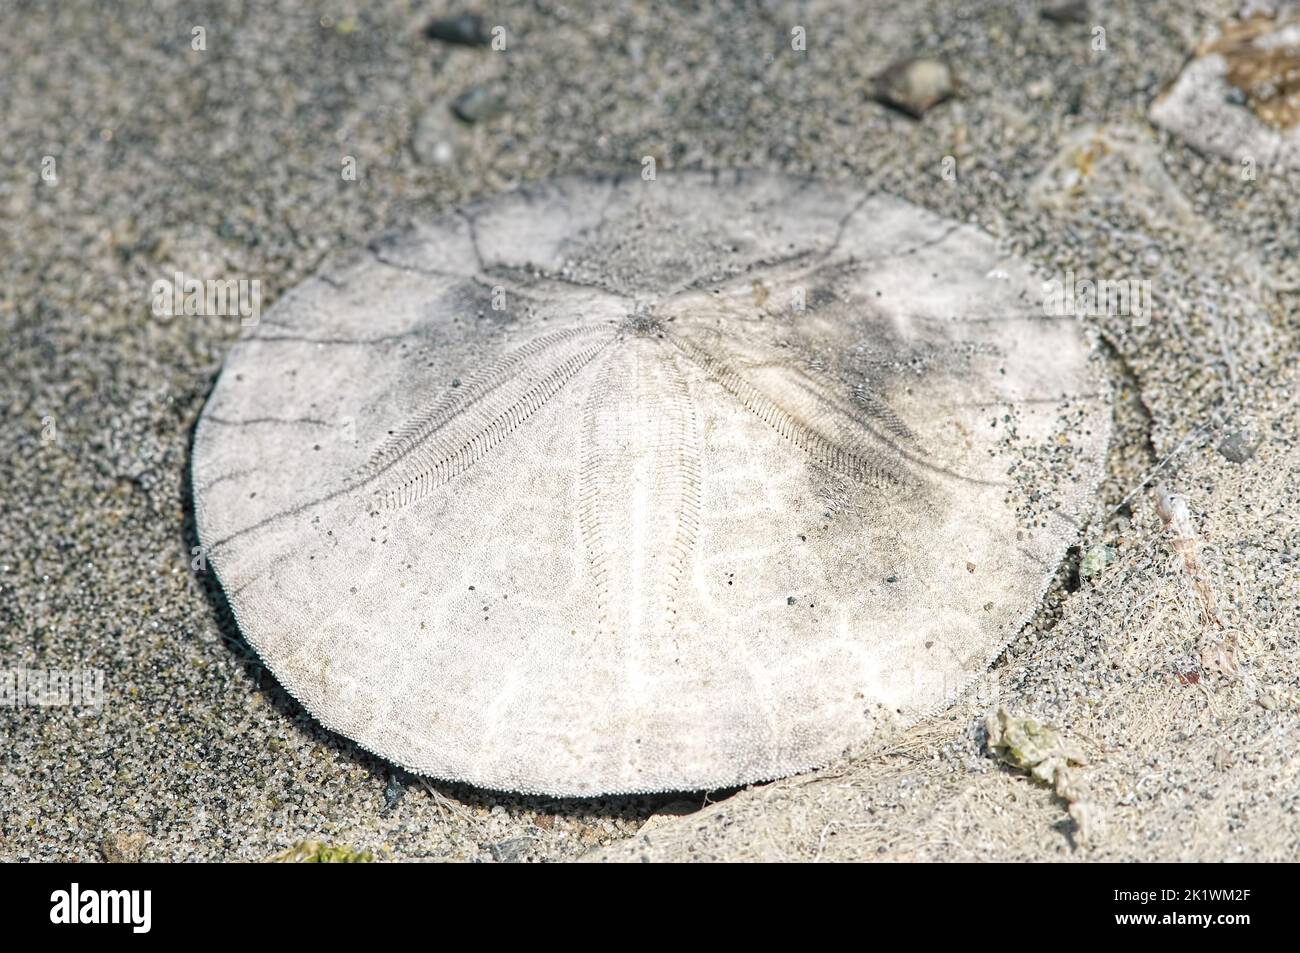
(125, 847)
(468, 29)
(510, 851)
(478, 104)
(915, 86)
(393, 792)
(1239, 446)
(1040, 88)
(433, 141)
(1066, 11)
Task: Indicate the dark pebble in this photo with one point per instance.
(1067, 11)
(468, 29)
(1239, 446)
(478, 104)
(393, 792)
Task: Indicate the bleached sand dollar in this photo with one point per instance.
(1239, 96)
(614, 485)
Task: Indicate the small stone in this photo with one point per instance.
(468, 29)
(1066, 11)
(914, 86)
(1239, 446)
(478, 104)
(1040, 88)
(123, 848)
(393, 791)
(512, 851)
(790, 600)
(434, 140)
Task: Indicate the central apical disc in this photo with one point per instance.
(630, 486)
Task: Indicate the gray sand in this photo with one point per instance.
(226, 163)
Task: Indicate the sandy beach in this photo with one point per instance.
(1166, 652)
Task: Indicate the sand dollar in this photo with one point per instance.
(613, 485)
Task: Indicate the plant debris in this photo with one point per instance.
(1025, 744)
(314, 852)
(1095, 561)
(1040, 750)
(1178, 527)
(1263, 62)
